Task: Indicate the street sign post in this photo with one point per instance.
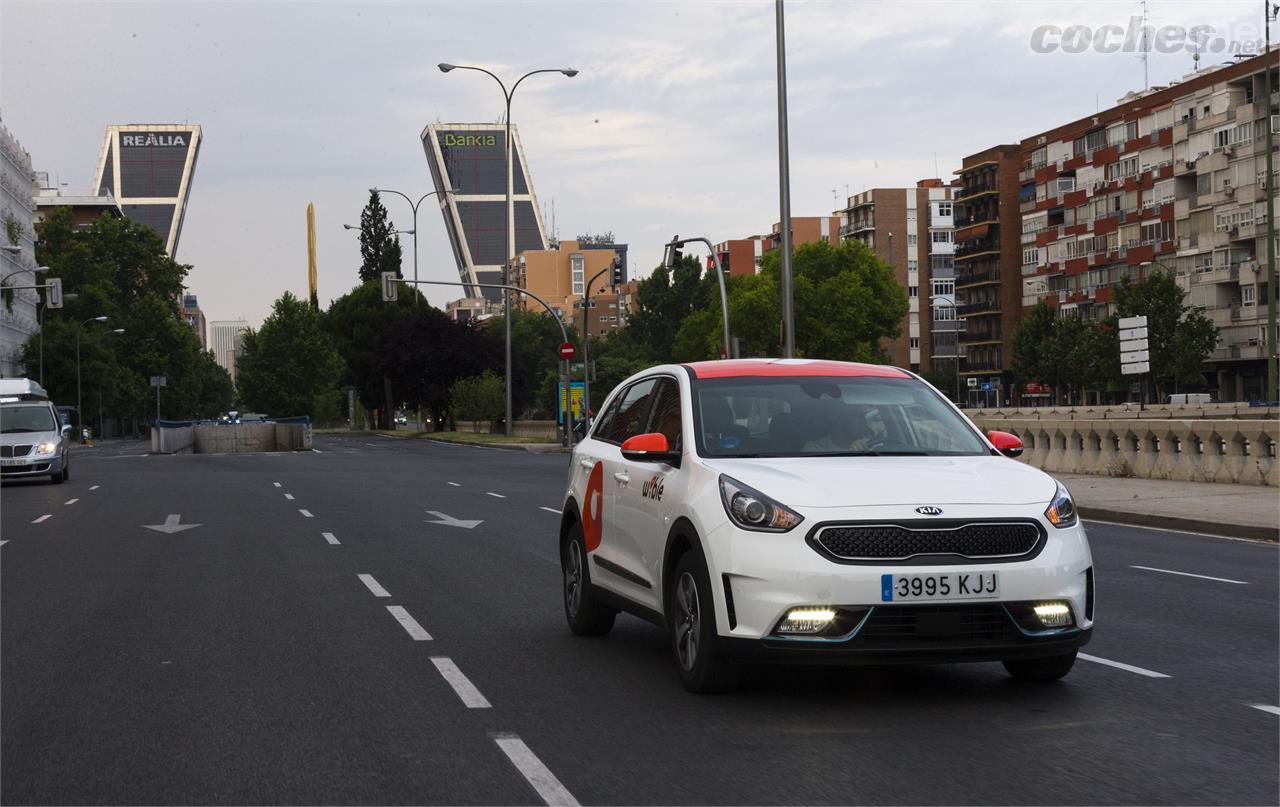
(1133, 322)
(568, 351)
(158, 381)
(1135, 355)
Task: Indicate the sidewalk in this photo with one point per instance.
(1241, 511)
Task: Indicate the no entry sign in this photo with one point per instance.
(568, 351)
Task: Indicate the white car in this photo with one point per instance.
(811, 511)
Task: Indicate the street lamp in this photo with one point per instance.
(570, 72)
(414, 232)
(393, 232)
(672, 256)
(79, 398)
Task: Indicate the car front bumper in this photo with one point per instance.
(33, 467)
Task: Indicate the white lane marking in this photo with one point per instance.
(1275, 710)
(455, 484)
(328, 536)
(410, 625)
(534, 772)
(95, 487)
(70, 501)
(494, 495)
(552, 510)
(1121, 666)
(305, 513)
(277, 484)
(289, 496)
(1257, 541)
(1189, 574)
(318, 451)
(42, 518)
(378, 590)
(2, 543)
(471, 697)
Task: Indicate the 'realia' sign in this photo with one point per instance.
(154, 139)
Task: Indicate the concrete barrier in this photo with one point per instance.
(1224, 411)
(1232, 451)
(214, 438)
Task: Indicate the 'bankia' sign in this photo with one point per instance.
(144, 139)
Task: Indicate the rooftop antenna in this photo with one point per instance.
(835, 198)
(936, 172)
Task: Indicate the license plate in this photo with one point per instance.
(15, 461)
(956, 586)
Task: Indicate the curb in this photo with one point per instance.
(525, 447)
(1267, 534)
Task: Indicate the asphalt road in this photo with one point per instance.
(246, 660)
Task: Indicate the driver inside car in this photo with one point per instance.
(846, 431)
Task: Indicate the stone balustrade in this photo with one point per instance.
(1233, 451)
(1214, 411)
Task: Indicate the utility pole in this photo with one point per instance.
(1273, 393)
(784, 193)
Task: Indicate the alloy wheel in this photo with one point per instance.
(687, 624)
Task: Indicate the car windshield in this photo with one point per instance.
(828, 416)
(19, 419)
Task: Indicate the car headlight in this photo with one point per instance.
(752, 510)
(46, 448)
(1062, 510)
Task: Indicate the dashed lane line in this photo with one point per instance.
(538, 775)
(95, 487)
(552, 510)
(43, 518)
(2, 543)
(374, 586)
(410, 625)
(1275, 710)
(455, 484)
(277, 484)
(328, 536)
(70, 501)
(467, 691)
(1121, 666)
(494, 495)
(289, 496)
(1189, 574)
(305, 513)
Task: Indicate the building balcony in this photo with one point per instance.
(975, 191)
(972, 368)
(1215, 275)
(1242, 352)
(973, 221)
(976, 246)
(976, 278)
(979, 337)
(942, 247)
(977, 309)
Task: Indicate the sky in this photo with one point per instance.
(670, 126)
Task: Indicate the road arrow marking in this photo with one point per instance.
(171, 525)
(451, 521)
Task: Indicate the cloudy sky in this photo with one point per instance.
(669, 128)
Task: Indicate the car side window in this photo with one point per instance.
(665, 417)
(602, 423)
(632, 413)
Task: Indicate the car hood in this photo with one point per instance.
(860, 481)
(28, 438)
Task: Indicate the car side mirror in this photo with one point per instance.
(1006, 443)
(66, 431)
(650, 447)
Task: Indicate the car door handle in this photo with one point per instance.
(587, 464)
(622, 478)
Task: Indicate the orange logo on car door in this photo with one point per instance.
(593, 508)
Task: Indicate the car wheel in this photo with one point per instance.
(1050, 668)
(692, 619)
(585, 616)
(57, 478)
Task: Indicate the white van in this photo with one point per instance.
(1190, 398)
(32, 441)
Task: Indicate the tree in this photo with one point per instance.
(379, 245)
(479, 397)
(664, 300)
(355, 322)
(289, 363)
(535, 344)
(1180, 337)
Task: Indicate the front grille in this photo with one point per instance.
(880, 543)
(894, 624)
(24, 469)
(15, 451)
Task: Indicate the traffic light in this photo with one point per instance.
(53, 292)
(617, 271)
(390, 289)
(674, 254)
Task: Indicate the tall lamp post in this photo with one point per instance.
(79, 398)
(784, 191)
(414, 207)
(508, 231)
(1273, 391)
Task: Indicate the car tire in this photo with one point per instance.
(59, 477)
(1050, 668)
(586, 616)
(692, 620)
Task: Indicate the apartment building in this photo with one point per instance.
(988, 291)
(742, 256)
(913, 230)
(1170, 179)
(559, 276)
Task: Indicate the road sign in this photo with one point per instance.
(1135, 369)
(1133, 322)
(159, 381)
(1134, 356)
(986, 387)
(1133, 344)
(568, 351)
(1133, 333)
(973, 382)
(390, 289)
(53, 292)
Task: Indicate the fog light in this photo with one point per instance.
(1053, 614)
(807, 620)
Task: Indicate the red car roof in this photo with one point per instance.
(784, 368)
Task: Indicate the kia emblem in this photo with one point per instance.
(929, 510)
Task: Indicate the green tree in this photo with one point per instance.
(379, 245)
(479, 397)
(664, 300)
(355, 322)
(1030, 340)
(535, 343)
(1180, 337)
(289, 362)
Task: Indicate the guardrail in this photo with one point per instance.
(1233, 451)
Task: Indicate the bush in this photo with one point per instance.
(480, 397)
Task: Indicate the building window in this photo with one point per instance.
(940, 263)
(913, 291)
(577, 267)
(911, 239)
(915, 343)
(944, 208)
(944, 288)
(942, 236)
(1248, 295)
(944, 313)
(913, 266)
